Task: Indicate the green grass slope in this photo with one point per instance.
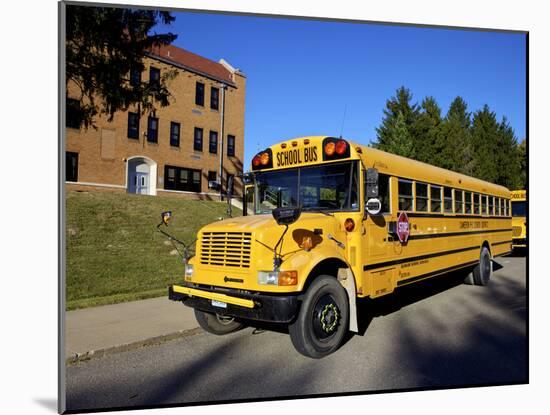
(114, 251)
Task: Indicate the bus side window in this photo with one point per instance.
(384, 192)
(421, 197)
(491, 205)
(497, 206)
(483, 204)
(476, 204)
(448, 199)
(435, 199)
(459, 207)
(468, 202)
(405, 195)
(506, 203)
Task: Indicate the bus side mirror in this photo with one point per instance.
(286, 215)
(248, 178)
(371, 184)
(166, 216)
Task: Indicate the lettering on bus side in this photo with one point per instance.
(296, 156)
(473, 224)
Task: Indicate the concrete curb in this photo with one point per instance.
(152, 341)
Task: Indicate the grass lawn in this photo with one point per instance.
(114, 251)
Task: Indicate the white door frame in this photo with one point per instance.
(152, 173)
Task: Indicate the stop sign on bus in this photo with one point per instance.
(403, 227)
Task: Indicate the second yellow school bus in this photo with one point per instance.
(519, 219)
(334, 221)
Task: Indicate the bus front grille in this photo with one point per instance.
(516, 230)
(226, 249)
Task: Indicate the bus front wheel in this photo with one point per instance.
(216, 324)
(483, 271)
(323, 318)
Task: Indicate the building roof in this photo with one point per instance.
(192, 62)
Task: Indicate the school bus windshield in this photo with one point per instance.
(518, 209)
(330, 187)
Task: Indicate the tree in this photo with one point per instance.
(392, 130)
(508, 158)
(102, 46)
(428, 141)
(455, 132)
(522, 156)
(398, 139)
(485, 132)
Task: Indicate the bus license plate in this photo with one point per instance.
(220, 304)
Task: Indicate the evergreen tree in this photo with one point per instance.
(398, 140)
(485, 140)
(102, 46)
(522, 156)
(508, 161)
(428, 140)
(399, 106)
(456, 135)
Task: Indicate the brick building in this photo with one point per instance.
(176, 150)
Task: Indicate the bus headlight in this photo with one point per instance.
(282, 278)
(188, 271)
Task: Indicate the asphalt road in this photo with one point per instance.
(439, 333)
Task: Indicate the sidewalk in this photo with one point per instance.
(95, 330)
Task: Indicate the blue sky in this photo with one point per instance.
(302, 75)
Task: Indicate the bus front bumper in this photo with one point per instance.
(260, 307)
(519, 243)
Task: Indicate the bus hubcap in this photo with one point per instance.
(326, 316)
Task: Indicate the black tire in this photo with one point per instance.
(483, 271)
(323, 318)
(217, 324)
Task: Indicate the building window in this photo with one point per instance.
(231, 145)
(152, 129)
(421, 197)
(154, 76)
(405, 195)
(213, 143)
(197, 140)
(133, 125)
(199, 94)
(214, 98)
(73, 113)
(435, 199)
(135, 77)
(448, 199)
(212, 176)
(459, 207)
(71, 166)
(175, 134)
(180, 178)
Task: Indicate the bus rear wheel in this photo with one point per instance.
(323, 319)
(217, 324)
(483, 271)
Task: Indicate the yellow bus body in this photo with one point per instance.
(230, 253)
(519, 223)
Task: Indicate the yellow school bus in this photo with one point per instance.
(334, 221)
(519, 221)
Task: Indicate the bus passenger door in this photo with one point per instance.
(377, 243)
